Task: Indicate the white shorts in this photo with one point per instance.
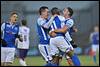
(95, 48)
(45, 51)
(7, 54)
(59, 43)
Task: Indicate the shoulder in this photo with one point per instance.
(71, 20)
(61, 18)
(28, 28)
(40, 19)
(93, 33)
(17, 25)
(3, 24)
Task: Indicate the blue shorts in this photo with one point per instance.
(22, 53)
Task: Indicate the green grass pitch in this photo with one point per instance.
(38, 61)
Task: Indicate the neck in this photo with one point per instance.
(11, 22)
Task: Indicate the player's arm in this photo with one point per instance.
(48, 24)
(52, 34)
(68, 25)
(74, 29)
(45, 24)
(19, 35)
(2, 28)
(3, 42)
(63, 30)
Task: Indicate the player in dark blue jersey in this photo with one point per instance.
(43, 24)
(9, 31)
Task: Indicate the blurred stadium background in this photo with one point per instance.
(86, 16)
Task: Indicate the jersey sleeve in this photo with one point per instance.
(91, 35)
(62, 18)
(3, 27)
(70, 23)
(41, 22)
(19, 32)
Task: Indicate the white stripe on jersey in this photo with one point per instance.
(2, 29)
(43, 34)
(54, 25)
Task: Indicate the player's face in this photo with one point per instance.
(14, 18)
(96, 29)
(66, 12)
(46, 13)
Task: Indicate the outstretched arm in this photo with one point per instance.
(48, 24)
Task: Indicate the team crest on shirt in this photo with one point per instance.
(16, 28)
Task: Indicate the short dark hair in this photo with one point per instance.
(70, 10)
(55, 10)
(13, 12)
(24, 22)
(42, 9)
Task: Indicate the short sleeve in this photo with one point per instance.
(19, 31)
(70, 23)
(61, 18)
(41, 21)
(3, 27)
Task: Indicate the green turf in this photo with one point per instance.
(38, 61)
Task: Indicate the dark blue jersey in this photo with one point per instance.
(9, 33)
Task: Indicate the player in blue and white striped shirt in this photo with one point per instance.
(68, 12)
(59, 42)
(43, 25)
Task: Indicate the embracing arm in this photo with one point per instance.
(63, 30)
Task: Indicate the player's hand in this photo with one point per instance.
(52, 34)
(21, 39)
(56, 30)
(75, 29)
(3, 43)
